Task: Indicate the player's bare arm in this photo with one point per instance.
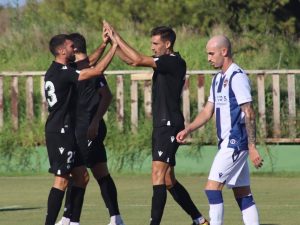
(100, 66)
(250, 122)
(106, 97)
(202, 118)
(98, 52)
(131, 56)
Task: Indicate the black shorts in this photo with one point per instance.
(62, 152)
(92, 151)
(164, 144)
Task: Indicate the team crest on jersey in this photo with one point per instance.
(232, 141)
(225, 82)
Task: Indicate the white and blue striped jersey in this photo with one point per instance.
(228, 91)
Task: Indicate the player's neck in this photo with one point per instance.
(61, 60)
(227, 63)
(80, 56)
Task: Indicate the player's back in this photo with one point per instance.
(60, 81)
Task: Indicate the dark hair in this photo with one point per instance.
(57, 41)
(166, 34)
(79, 42)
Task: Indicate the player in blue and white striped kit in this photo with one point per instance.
(231, 101)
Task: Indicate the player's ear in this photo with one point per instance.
(168, 44)
(61, 51)
(224, 52)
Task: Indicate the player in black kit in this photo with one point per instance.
(60, 85)
(167, 83)
(93, 99)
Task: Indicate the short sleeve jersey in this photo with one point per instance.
(88, 97)
(228, 91)
(167, 84)
(60, 92)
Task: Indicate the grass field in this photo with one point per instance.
(23, 200)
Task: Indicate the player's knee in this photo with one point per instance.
(60, 183)
(170, 181)
(158, 176)
(81, 180)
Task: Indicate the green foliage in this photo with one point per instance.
(264, 36)
(18, 149)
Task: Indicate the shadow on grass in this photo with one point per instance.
(268, 224)
(17, 208)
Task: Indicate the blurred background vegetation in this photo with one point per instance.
(265, 35)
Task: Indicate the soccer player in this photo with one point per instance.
(231, 101)
(167, 83)
(93, 99)
(60, 84)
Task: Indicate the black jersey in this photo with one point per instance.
(167, 84)
(60, 92)
(87, 96)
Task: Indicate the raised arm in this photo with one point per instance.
(101, 65)
(202, 118)
(98, 52)
(129, 54)
(250, 122)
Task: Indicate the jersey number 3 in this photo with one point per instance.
(51, 96)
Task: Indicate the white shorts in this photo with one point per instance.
(231, 168)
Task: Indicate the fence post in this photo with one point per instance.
(134, 105)
(1, 103)
(14, 102)
(276, 106)
(120, 101)
(29, 98)
(44, 105)
(186, 101)
(201, 95)
(201, 92)
(292, 104)
(147, 98)
(261, 103)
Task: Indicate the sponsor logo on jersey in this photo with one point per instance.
(168, 160)
(62, 130)
(220, 175)
(61, 149)
(169, 123)
(89, 143)
(64, 68)
(160, 153)
(58, 172)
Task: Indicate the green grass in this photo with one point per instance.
(23, 200)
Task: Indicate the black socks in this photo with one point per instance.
(109, 194)
(54, 204)
(159, 199)
(182, 197)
